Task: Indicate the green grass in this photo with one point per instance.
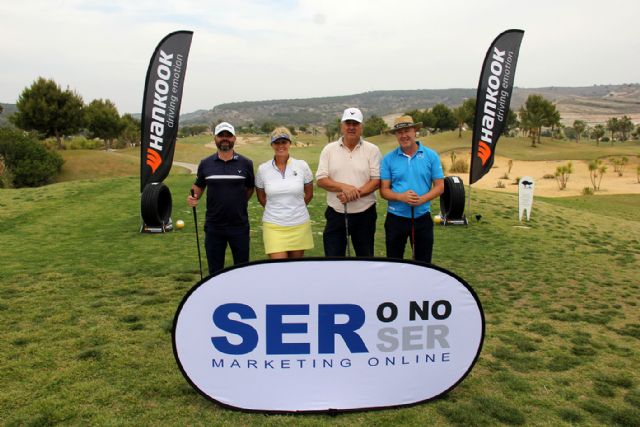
(86, 305)
(614, 207)
(87, 302)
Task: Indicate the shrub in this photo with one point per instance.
(619, 164)
(52, 144)
(587, 191)
(596, 172)
(460, 166)
(118, 144)
(562, 175)
(82, 143)
(5, 176)
(28, 162)
(570, 133)
(500, 184)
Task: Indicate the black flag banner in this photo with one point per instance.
(161, 106)
(493, 99)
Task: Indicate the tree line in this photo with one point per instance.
(537, 117)
(52, 112)
(45, 108)
(538, 112)
(48, 111)
(439, 118)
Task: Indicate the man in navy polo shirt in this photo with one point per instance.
(229, 180)
(411, 176)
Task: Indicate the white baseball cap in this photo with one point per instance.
(225, 126)
(352, 114)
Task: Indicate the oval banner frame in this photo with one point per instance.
(327, 334)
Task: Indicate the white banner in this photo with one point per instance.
(328, 334)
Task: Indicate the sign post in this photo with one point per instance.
(525, 196)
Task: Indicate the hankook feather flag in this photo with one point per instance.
(161, 106)
(493, 99)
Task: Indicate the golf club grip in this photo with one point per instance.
(193, 194)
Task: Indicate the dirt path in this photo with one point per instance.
(193, 168)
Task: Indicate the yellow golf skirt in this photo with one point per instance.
(283, 238)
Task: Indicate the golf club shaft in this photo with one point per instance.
(413, 234)
(195, 222)
(346, 226)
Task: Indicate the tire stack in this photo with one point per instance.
(452, 199)
(156, 205)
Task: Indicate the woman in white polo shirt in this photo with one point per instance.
(284, 187)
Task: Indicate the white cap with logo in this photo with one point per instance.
(224, 126)
(352, 114)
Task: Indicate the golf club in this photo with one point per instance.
(413, 235)
(346, 226)
(195, 221)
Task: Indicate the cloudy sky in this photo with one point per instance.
(247, 50)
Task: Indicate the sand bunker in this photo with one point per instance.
(579, 179)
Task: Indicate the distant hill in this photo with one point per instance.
(322, 110)
(595, 104)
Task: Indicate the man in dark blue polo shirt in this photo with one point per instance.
(229, 180)
(411, 176)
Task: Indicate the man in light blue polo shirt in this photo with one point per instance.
(411, 176)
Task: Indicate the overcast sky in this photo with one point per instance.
(249, 50)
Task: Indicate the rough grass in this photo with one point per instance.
(92, 164)
(86, 305)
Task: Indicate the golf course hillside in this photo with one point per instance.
(87, 302)
(516, 158)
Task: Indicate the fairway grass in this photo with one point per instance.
(87, 304)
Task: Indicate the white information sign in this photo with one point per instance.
(525, 196)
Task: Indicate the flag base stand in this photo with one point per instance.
(457, 221)
(164, 228)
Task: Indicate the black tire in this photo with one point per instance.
(452, 199)
(155, 204)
